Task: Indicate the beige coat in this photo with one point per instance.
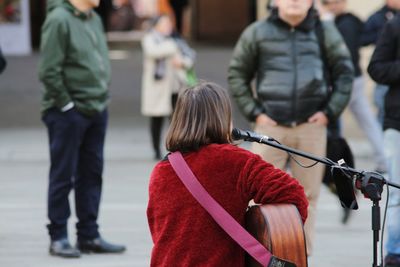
(156, 94)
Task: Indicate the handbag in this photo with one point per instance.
(337, 148)
(221, 216)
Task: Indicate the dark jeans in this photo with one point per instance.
(76, 157)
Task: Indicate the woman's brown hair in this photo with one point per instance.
(202, 116)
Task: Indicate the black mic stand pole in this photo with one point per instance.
(370, 184)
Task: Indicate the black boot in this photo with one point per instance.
(155, 128)
(392, 260)
(346, 215)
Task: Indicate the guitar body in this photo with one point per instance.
(279, 228)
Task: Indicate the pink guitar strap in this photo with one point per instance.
(219, 214)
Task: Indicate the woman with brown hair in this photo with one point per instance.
(184, 234)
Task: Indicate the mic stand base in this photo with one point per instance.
(372, 187)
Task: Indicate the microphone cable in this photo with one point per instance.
(291, 156)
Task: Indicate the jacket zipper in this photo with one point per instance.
(294, 60)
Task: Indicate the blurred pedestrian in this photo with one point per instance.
(164, 7)
(75, 71)
(384, 68)
(183, 233)
(122, 16)
(292, 101)
(351, 28)
(3, 62)
(178, 6)
(104, 9)
(164, 62)
(372, 30)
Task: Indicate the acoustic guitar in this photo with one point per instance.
(279, 228)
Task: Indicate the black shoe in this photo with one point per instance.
(62, 248)
(99, 245)
(392, 260)
(346, 215)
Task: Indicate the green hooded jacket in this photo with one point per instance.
(74, 65)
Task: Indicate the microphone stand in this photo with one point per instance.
(370, 183)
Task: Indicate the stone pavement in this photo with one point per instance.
(24, 168)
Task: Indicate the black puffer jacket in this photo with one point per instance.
(384, 68)
(287, 62)
(351, 27)
(374, 25)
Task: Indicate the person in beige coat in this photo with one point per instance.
(162, 68)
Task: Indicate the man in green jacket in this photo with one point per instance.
(293, 100)
(75, 71)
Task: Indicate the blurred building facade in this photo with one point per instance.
(217, 21)
(15, 27)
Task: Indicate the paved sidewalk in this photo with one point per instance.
(23, 237)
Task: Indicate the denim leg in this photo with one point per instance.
(392, 151)
(88, 182)
(379, 101)
(65, 131)
(365, 118)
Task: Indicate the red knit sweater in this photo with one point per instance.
(184, 234)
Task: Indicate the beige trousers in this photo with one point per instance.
(309, 138)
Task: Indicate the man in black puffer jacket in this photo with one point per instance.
(384, 68)
(293, 101)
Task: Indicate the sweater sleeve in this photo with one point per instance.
(266, 184)
(53, 49)
(384, 68)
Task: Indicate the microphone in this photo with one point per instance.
(238, 134)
